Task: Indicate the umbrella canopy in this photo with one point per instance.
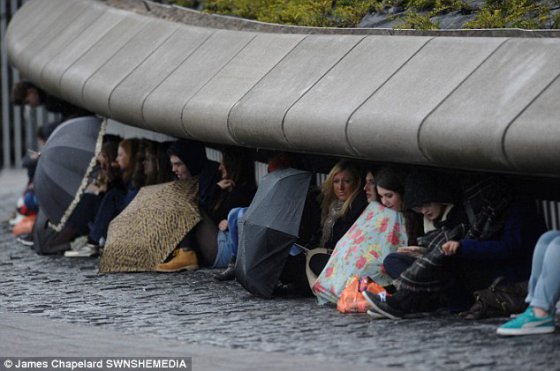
(150, 227)
(64, 165)
(269, 228)
(48, 241)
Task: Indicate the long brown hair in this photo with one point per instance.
(130, 147)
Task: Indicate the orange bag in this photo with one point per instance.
(351, 300)
(25, 226)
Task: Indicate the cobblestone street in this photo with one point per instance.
(192, 308)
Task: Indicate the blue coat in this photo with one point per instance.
(510, 251)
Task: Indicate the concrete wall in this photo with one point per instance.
(485, 103)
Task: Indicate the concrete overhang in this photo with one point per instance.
(479, 103)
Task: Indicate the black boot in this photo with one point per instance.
(228, 274)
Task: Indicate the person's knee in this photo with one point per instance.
(235, 214)
(394, 265)
(550, 237)
(555, 242)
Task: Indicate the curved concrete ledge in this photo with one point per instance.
(486, 103)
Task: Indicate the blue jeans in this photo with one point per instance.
(112, 204)
(395, 263)
(544, 284)
(228, 241)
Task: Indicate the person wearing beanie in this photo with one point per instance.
(425, 194)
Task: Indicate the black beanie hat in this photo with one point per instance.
(423, 187)
(191, 152)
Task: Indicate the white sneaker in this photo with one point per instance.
(78, 243)
(375, 315)
(86, 251)
(16, 219)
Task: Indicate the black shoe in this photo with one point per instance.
(379, 304)
(25, 239)
(227, 275)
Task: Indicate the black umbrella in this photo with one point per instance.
(48, 241)
(269, 228)
(64, 166)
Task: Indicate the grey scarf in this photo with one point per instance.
(332, 216)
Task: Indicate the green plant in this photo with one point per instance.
(528, 14)
(555, 21)
(187, 3)
(320, 13)
(421, 4)
(524, 14)
(416, 21)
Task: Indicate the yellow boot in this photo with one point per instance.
(182, 260)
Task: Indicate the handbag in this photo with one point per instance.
(498, 300)
(352, 300)
(309, 253)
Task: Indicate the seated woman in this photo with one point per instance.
(108, 177)
(114, 201)
(499, 241)
(156, 166)
(279, 161)
(210, 240)
(377, 232)
(342, 202)
(428, 195)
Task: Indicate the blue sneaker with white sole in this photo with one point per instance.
(527, 324)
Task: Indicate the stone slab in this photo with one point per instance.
(61, 40)
(206, 114)
(468, 128)
(29, 24)
(385, 127)
(60, 24)
(536, 150)
(53, 71)
(127, 99)
(257, 119)
(320, 117)
(76, 76)
(98, 88)
(163, 108)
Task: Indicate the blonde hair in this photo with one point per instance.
(328, 190)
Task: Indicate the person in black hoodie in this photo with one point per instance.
(236, 187)
(428, 196)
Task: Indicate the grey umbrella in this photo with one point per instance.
(268, 229)
(64, 165)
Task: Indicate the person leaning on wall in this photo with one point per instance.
(25, 93)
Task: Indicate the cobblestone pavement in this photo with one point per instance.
(192, 308)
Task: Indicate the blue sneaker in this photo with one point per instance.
(527, 324)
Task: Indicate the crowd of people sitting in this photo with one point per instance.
(427, 240)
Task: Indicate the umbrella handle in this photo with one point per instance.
(305, 249)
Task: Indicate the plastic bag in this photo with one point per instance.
(351, 300)
(25, 226)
